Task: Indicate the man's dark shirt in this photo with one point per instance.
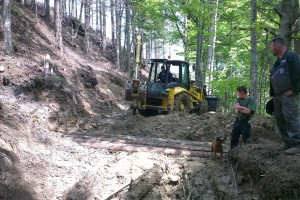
(162, 76)
(291, 69)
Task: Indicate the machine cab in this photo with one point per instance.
(169, 73)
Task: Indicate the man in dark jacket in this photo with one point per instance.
(284, 88)
(162, 74)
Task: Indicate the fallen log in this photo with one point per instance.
(157, 142)
(147, 144)
(153, 149)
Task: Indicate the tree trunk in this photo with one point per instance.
(254, 56)
(128, 46)
(198, 72)
(72, 9)
(104, 25)
(55, 8)
(97, 16)
(7, 40)
(36, 8)
(212, 38)
(58, 30)
(63, 9)
(47, 10)
(1, 14)
(118, 33)
(286, 13)
(296, 29)
(87, 26)
(186, 39)
(81, 10)
(155, 48)
(148, 51)
(22, 3)
(113, 29)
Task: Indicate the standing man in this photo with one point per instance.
(245, 106)
(284, 88)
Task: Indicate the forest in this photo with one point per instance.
(228, 41)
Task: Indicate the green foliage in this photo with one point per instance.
(233, 43)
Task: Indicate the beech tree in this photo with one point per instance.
(22, 3)
(213, 5)
(112, 19)
(87, 8)
(104, 42)
(254, 54)
(58, 28)
(288, 11)
(7, 39)
(47, 10)
(127, 35)
(118, 32)
(1, 13)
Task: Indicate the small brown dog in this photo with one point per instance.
(216, 146)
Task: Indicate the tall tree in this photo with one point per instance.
(101, 21)
(254, 55)
(118, 32)
(47, 10)
(7, 40)
(97, 15)
(22, 3)
(112, 18)
(212, 36)
(104, 42)
(297, 39)
(1, 14)
(127, 34)
(198, 72)
(58, 29)
(87, 17)
(63, 8)
(288, 12)
(296, 27)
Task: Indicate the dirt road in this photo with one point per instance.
(120, 156)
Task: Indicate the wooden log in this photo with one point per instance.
(157, 142)
(147, 144)
(153, 149)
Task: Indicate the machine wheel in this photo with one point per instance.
(133, 111)
(203, 107)
(182, 103)
(148, 113)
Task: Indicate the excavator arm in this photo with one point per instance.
(135, 90)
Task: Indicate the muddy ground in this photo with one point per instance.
(69, 163)
(70, 136)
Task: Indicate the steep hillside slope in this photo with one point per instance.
(81, 86)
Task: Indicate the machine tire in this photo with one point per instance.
(182, 102)
(148, 112)
(133, 111)
(203, 107)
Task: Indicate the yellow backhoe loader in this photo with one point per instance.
(164, 92)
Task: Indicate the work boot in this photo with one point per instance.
(293, 151)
